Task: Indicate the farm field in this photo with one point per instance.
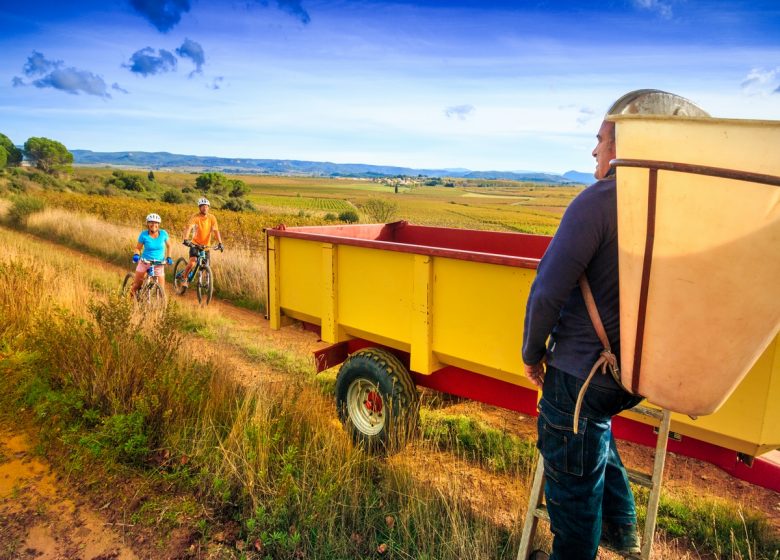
(500, 205)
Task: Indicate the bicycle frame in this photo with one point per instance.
(201, 260)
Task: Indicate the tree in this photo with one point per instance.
(150, 176)
(380, 210)
(127, 181)
(211, 181)
(14, 154)
(238, 188)
(47, 155)
(3, 157)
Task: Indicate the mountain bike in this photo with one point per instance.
(200, 277)
(150, 292)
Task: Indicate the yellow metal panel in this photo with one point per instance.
(300, 267)
(770, 437)
(375, 293)
(422, 359)
(272, 266)
(479, 310)
(329, 331)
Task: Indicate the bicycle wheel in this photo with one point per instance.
(178, 276)
(205, 286)
(127, 283)
(155, 296)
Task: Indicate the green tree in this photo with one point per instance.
(238, 188)
(211, 182)
(47, 155)
(380, 210)
(3, 157)
(150, 176)
(14, 154)
(128, 182)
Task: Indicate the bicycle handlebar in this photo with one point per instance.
(155, 263)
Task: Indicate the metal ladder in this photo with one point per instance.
(538, 510)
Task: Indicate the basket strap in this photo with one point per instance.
(607, 361)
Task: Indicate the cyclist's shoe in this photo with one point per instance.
(622, 538)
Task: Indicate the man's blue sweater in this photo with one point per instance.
(586, 241)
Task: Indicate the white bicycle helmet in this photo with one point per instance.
(203, 201)
(154, 218)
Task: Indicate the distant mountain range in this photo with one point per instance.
(168, 161)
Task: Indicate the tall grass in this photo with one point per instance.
(110, 383)
(239, 272)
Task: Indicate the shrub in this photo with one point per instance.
(238, 188)
(379, 209)
(128, 182)
(22, 207)
(212, 182)
(173, 196)
(349, 216)
(330, 217)
(237, 205)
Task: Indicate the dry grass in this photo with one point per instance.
(239, 272)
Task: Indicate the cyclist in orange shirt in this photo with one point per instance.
(204, 226)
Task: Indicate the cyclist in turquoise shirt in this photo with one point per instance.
(153, 245)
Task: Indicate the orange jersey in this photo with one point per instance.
(204, 227)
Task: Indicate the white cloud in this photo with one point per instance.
(761, 82)
(663, 9)
(459, 111)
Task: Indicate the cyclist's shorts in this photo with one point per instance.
(194, 253)
(143, 267)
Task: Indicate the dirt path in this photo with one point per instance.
(41, 517)
(501, 498)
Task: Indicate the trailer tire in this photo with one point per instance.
(377, 401)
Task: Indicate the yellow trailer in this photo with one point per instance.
(407, 305)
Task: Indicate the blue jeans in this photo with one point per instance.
(585, 481)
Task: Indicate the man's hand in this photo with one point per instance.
(136, 258)
(187, 243)
(535, 373)
(169, 261)
(220, 247)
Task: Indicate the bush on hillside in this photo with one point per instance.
(22, 207)
(173, 196)
(379, 210)
(237, 205)
(349, 216)
(128, 182)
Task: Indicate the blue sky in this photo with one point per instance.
(481, 85)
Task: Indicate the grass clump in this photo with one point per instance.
(495, 449)
(714, 526)
(22, 207)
